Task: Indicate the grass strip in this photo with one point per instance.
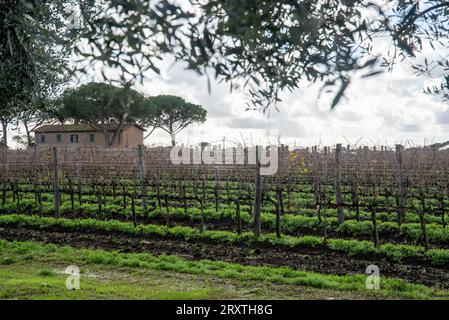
(17, 252)
(412, 231)
(395, 252)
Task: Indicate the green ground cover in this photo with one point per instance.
(32, 270)
(395, 252)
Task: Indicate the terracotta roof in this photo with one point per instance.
(77, 127)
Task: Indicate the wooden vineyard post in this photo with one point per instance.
(323, 195)
(124, 196)
(72, 198)
(57, 194)
(338, 183)
(133, 211)
(202, 201)
(217, 190)
(16, 192)
(114, 191)
(279, 207)
(365, 169)
(239, 219)
(79, 172)
(326, 151)
(237, 203)
(184, 197)
(202, 214)
(195, 181)
(374, 218)
(167, 211)
(278, 211)
(143, 176)
(251, 203)
(158, 192)
(39, 201)
(422, 221)
(100, 204)
(325, 217)
(228, 192)
(258, 197)
(401, 181)
(442, 206)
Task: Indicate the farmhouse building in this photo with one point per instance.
(85, 135)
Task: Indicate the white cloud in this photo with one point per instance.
(387, 108)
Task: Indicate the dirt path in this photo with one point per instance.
(320, 260)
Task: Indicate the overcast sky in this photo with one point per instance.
(382, 110)
(385, 109)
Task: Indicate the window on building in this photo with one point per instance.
(42, 138)
(73, 138)
(92, 137)
(58, 138)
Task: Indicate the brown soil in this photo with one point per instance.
(231, 225)
(320, 259)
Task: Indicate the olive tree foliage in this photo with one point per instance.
(129, 37)
(277, 45)
(42, 103)
(426, 24)
(34, 47)
(268, 46)
(171, 114)
(103, 106)
(442, 89)
(16, 65)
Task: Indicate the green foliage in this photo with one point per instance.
(46, 273)
(439, 257)
(398, 252)
(103, 106)
(34, 47)
(7, 261)
(352, 247)
(395, 252)
(364, 228)
(217, 269)
(172, 114)
(269, 46)
(305, 221)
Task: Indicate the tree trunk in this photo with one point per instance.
(258, 197)
(116, 133)
(28, 133)
(5, 133)
(173, 142)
